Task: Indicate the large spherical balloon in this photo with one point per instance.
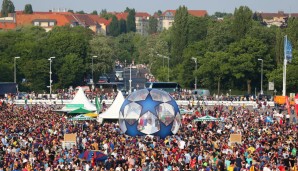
(149, 112)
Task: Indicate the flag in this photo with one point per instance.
(288, 49)
(269, 119)
(296, 104)
(98, 105)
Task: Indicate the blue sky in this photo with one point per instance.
(151, 6)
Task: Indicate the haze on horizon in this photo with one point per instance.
(150, 6)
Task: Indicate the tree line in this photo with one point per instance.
(227, 52)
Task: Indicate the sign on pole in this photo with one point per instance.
(235, 138)
(271, 86)
(69, 141)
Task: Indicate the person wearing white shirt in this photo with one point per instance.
(181, 144)
(266, 168)
(87, 167)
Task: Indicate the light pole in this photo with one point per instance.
(92, 72)
(130, 79)
(195, 59)
(50, 59)
(15, 69)
(261, 75)
(168, 64)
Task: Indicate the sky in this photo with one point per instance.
(150, 6)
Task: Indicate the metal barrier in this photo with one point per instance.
(179, 102)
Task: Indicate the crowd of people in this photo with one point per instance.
(31, 139)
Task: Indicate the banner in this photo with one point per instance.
(288, 105)
(98, 105)
(296, 103)
(288, 49)
(271, 86)
(74, 105)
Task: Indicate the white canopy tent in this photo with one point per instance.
(80, 100)
(113, 110)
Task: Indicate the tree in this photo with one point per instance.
(179, 37)
(198, 27)
(94, 12)
(242, 21)
(122, 25)
(244, 59)
(71, 71)
(152, 25)
(279, 45)
(131, 22)
(114, 29)
(257, 17)
(219, 35)
(28, 9)
(221, 15)
(80, 12)
(216, 66)
(7, 7)
(6, 71)
(103, 48)
(104, 14)
(70, 10)
(38, 76)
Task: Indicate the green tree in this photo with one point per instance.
(104, 14)
(6, 71)
(80, 12)
(28, 9)
(291, 31)
(244, 59)
(130, 22)
(71, 71)
(7, 7)
(219, 35)
(38, 76)
(122, 24)
(103, 48)
(279, 46)
(242, 21)
(152, 25)
(179, 37)
(70, 10)
(114, 29)
(221, 15)
(198, 27)
(216, 65)
(94, 12)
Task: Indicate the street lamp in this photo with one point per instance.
(261, 75)
(93, 71)
(130, 78)
(195, 59)
(168, 64)
(50, 59)
(92, 68)
(15, 69)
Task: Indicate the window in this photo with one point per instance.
(52, 23)
(36, 23)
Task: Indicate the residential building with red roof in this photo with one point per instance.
(278, 19)
(48, 20)
(167, 18)
(142, 23)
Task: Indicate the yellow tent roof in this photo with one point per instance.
(93, 115)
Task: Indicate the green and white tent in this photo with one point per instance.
(79, 111)
(207, 118)
(81, 118)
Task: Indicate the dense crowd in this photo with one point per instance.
(31, 139)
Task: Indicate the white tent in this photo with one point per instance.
(113, 110)
(80, 100)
